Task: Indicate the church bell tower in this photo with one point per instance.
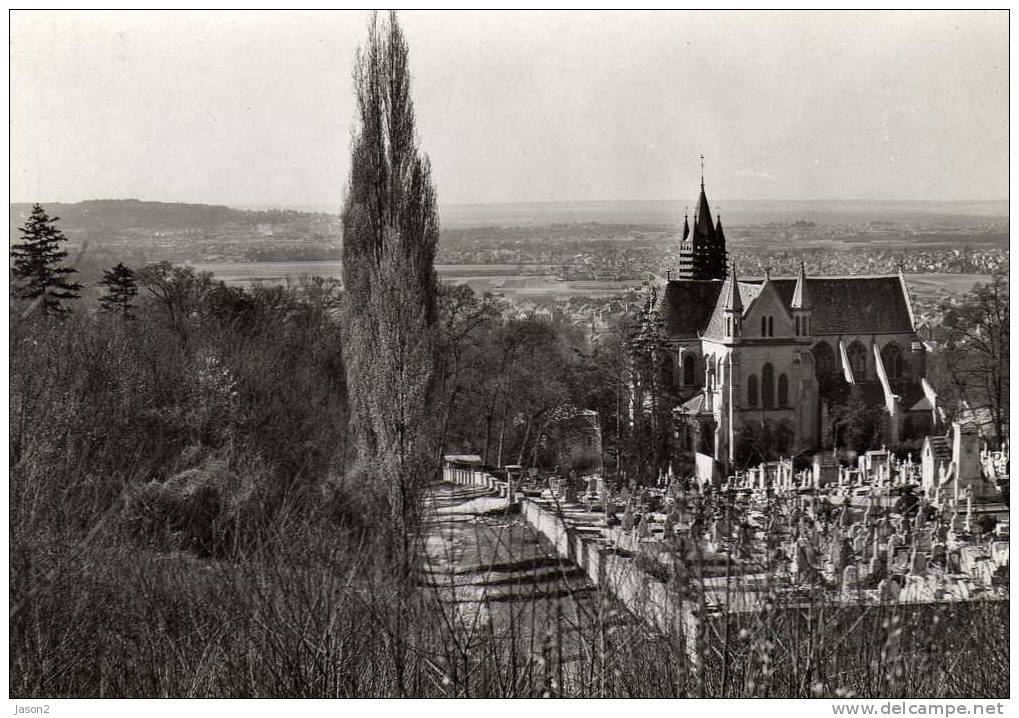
(702, 253)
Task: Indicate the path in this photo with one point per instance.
(501, 581)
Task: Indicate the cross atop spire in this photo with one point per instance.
(702, 171)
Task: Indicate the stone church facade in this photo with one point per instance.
(753, 359)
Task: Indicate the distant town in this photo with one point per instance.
(580, 272)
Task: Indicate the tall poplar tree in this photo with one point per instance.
(39, 276)
(390, 232)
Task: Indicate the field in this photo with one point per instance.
(511, 279)
(933, 285)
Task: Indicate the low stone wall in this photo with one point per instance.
(608, 566)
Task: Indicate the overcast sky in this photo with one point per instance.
(248, 108)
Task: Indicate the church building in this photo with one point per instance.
(757, 363)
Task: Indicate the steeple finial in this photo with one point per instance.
(702, 171)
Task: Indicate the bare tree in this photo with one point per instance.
(975, 353)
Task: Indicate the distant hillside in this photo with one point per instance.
(121, 214)
(153, 231)
(138, 232)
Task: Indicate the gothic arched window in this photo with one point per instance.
(764, 326)
(824, 359)
(752, 390)
(797, 318)
(688, 370)
(783, 390)
(857, 356)
(891, 357)
(768, 386)
(771, 326)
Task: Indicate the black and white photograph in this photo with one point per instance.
(518, 354)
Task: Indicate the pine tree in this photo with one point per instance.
(38, 275)
(390, 232)
(121, 289)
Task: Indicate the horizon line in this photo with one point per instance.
(716, 200)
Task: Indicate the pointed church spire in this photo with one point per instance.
(801, 297)
(733, 301)
(702, 220)
(686, 223)
(719, 234)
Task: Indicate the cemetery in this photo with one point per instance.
(887, 531)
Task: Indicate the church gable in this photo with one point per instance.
(748, 292)
(767, 315)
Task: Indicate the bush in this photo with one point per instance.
(206, 509)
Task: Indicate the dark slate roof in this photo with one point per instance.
(913, 397)
(840, 305)
(687, 305)
(852, 305)
(693, 405)
(923, 405)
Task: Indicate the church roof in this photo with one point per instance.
(687, 306)
(853, 305)
(841, 305)
(692, 406)
(914, 398)
(748, 292)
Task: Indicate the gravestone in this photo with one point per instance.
(628, 518)
(917, 563)
(888, 590)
